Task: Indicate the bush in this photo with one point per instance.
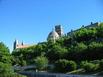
(41, 62)
(89, 67)
(11, 75)
(5, 68)
(101, 65)
(71, 66)
(64, 66)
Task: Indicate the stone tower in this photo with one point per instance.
(15, 44)
(59, 30)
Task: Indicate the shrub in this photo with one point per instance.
(41, 62)
(64, 66)
(11, 75)
(5, 68)
(89, 67)
(101, 65)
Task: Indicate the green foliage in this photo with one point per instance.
(83, 44)
(18, 57)
(11, 75)
(56, 52)
(41, 62)
(85, 34)
(89, 67)
(100, 31)
(71, 66)
(23, 63)
(5, 68)
(3, 48)
(5, 56)
(5, 59)
(95, 45)
(64, 66)
(80, 47)
(28, 54)
(95, 51)
(20, 54)
(101, 65)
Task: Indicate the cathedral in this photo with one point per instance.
(53, 36)
(55, 33)
(18, 45)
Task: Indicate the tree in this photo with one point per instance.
(85, 34)
(39, 49)
(5, 59)
(101, 65)
(100, 31)
(71, 66)
(80, 47)
(89, 67)
(5, 56)
(95, 51)
(23, 54)
(56, 52)
(64, 66)
(41, 62)
(5, 68)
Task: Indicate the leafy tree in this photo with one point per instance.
(71, 65)
(41, 62)
(64, 66)
(24, 54)
(5, 56)
(82, 44)
(5, 59)
(100, 31)
(101, 65)
(39, 49)
(80, 47)
(5, 68)
(85, 34)
(23, 63)
(89, 67)
(56, 52)
(94, 51)
(77, 52)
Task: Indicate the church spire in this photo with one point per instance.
(15, 44)
(22, 43)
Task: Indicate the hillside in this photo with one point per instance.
(82, 45)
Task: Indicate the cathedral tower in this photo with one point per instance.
(15, 44)
(59, 30)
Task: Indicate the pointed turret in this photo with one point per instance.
(22, 43)
(15, 44)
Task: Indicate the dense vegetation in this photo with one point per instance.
(80, 49)
(68, 52)
(64, 66)
(5, 59)
(6, 62)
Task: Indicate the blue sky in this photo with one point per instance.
(32, 20)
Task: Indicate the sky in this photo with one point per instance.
(31, 21)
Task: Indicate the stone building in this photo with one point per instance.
(18, 45)
(93, 25)
(55, 33)
(88, 26)
(59, 30)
